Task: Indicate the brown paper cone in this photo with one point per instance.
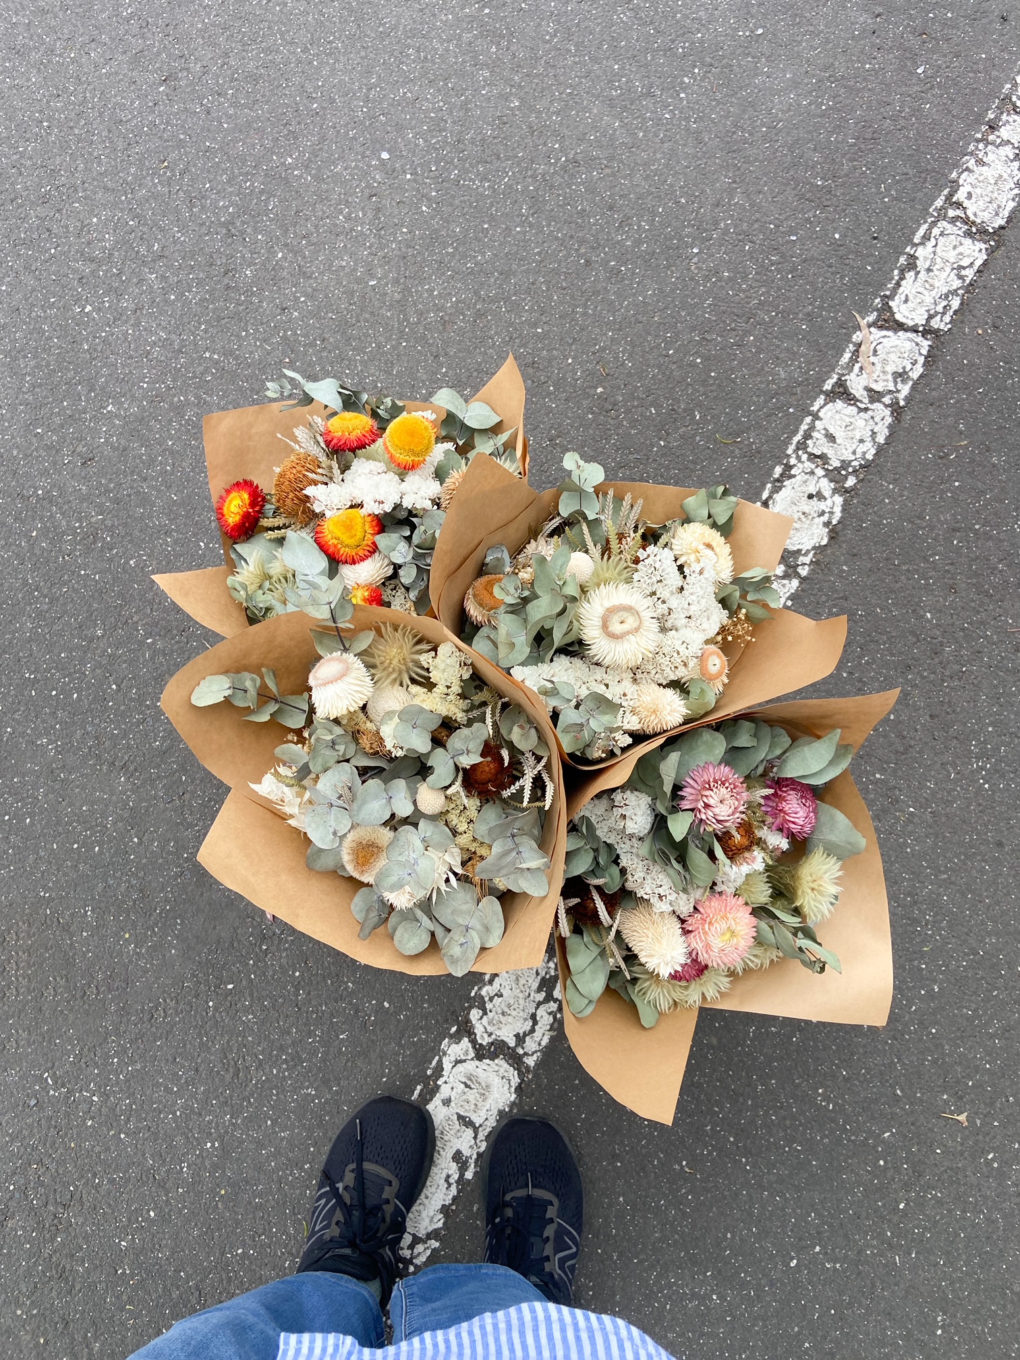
(789, 651)
(643, 1070)
(252, 850)
(246, 443)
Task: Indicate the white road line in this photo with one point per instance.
(482, 1064)
(853, 417)
(473, 1079)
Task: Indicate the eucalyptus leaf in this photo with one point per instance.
(836, 833)
(460, 949)
(808, 755)
(410, 934)
(212, 690)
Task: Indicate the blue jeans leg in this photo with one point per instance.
(249, 1327)
(443, 1296)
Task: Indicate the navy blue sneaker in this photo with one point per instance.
(374, 1172)
(534, 1206)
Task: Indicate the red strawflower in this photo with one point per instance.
(366, 595)
(239, 509)
(349, 431)
(691, 970)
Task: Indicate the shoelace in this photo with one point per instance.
(521, 1222)
(360, 1233)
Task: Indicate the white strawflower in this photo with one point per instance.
(372, 572)
(364, 851)
(430, 802)
(580, 567)
(617, 626)
(656, 937)
(658, 708)
(700, 548)
(339, 684)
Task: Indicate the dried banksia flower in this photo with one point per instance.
(294, 474)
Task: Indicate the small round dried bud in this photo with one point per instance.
(430, 802)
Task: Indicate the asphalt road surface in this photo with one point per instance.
(669, 213)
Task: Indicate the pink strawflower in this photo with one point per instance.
(716, 795)
(721, 930)
(791, 807)
(691, 970)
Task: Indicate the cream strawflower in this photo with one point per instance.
(372, 572)
(658, 708)
(364, 851)
(700, 548)
(617, 626)
(339, 684)
(656, 937)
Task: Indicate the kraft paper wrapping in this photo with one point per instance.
(252, 850)
(643, 1069)
(244, 443)
(789, 651)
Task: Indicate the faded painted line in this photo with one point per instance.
(856, 411)
(473, 1079)
(482, 1064)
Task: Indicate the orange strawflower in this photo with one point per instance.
(408, 441)
(348, 536)
(366, 595)
(349, 431)
(239, 509)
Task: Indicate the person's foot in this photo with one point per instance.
(374, 1172)
(534, 1206)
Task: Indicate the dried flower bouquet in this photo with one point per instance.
(422, 785)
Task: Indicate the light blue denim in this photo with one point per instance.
(249, 1327)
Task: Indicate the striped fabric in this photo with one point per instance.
(530, 1331)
